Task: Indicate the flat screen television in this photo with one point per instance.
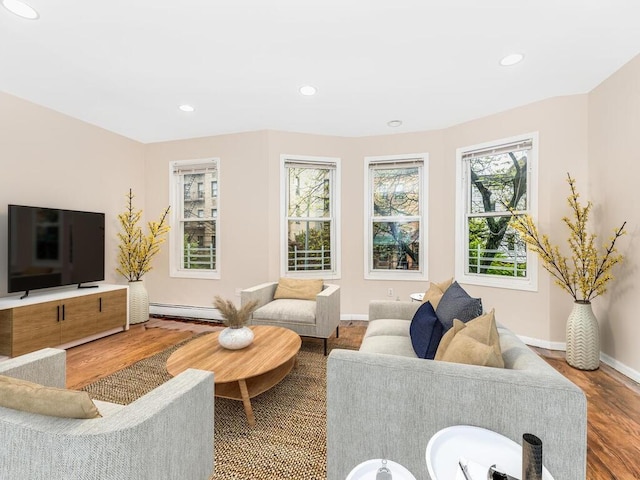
(51, 247)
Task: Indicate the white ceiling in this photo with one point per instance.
(126, 65)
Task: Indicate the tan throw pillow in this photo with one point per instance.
(475, 343)
(55, 402)
(296, 288)
(435, 291)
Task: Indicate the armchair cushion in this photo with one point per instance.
(296, 288)
(288, 310)
(55, 402)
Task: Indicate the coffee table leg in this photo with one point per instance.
(246, 401)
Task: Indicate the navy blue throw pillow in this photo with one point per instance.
(457, 303)
(425, 331)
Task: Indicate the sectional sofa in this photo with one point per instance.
(384, 402)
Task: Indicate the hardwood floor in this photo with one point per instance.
(613, 400)
(613, 419)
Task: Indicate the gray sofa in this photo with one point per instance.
(384, 402)
(166, 434)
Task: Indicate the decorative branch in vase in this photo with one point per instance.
(135, 252)
(585, 276)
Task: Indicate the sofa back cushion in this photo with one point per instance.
(425, 331)
(55, 402)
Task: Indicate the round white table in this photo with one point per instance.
(416, 297)
(479, 447)
(367, 470)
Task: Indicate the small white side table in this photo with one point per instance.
(416, 297)
(367, 470)
(480, 446)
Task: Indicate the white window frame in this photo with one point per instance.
(528, 283)
(177, 211)
(369, 165)
(335, 188)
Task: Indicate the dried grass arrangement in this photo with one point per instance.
(231, 316)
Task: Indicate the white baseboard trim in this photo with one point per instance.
(620, 367)
(536, 342)
(354, 317)
(186, 311)
(210, 313)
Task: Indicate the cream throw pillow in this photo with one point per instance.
(55, 402)
(296, 288)
(435, 292)
(476, 342)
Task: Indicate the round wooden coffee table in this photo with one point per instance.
(241, 374)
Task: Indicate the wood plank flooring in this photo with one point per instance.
(613, 400)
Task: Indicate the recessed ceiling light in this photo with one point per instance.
(511, 59)
(394, 123)
(308, 90)
(21, 9)
(186, 108)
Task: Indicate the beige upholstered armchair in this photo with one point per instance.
(317, 318)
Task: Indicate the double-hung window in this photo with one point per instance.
(496, 180)
(396, 217)
(194, 235)
(310, 200)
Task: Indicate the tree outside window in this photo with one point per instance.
(395, 224)
(497, 180)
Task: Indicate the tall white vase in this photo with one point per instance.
(583, 337)
(138, 303)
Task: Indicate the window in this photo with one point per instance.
(395, 217)
(194, 248)
(493, 179)
(310, 196)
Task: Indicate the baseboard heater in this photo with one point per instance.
(185, 311)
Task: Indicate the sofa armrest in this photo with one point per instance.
(387, 406)
(328, 310)
(390, 309)
(45, 367)
(165, 434)
(262, 293)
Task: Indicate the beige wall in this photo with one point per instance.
(614, 173)
(250, 196)
(51, 160)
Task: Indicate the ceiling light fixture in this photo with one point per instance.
(511, 59)
(186, 108)
(394, 123)
(308, 90)
(20, 9)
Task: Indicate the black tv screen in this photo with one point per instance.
(50, 247)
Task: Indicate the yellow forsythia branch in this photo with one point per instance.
(136, 249)
(591, 271)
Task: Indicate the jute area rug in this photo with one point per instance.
(289, 438)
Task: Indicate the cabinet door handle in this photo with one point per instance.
(58, 313)
(100, 308)
(63, 312)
